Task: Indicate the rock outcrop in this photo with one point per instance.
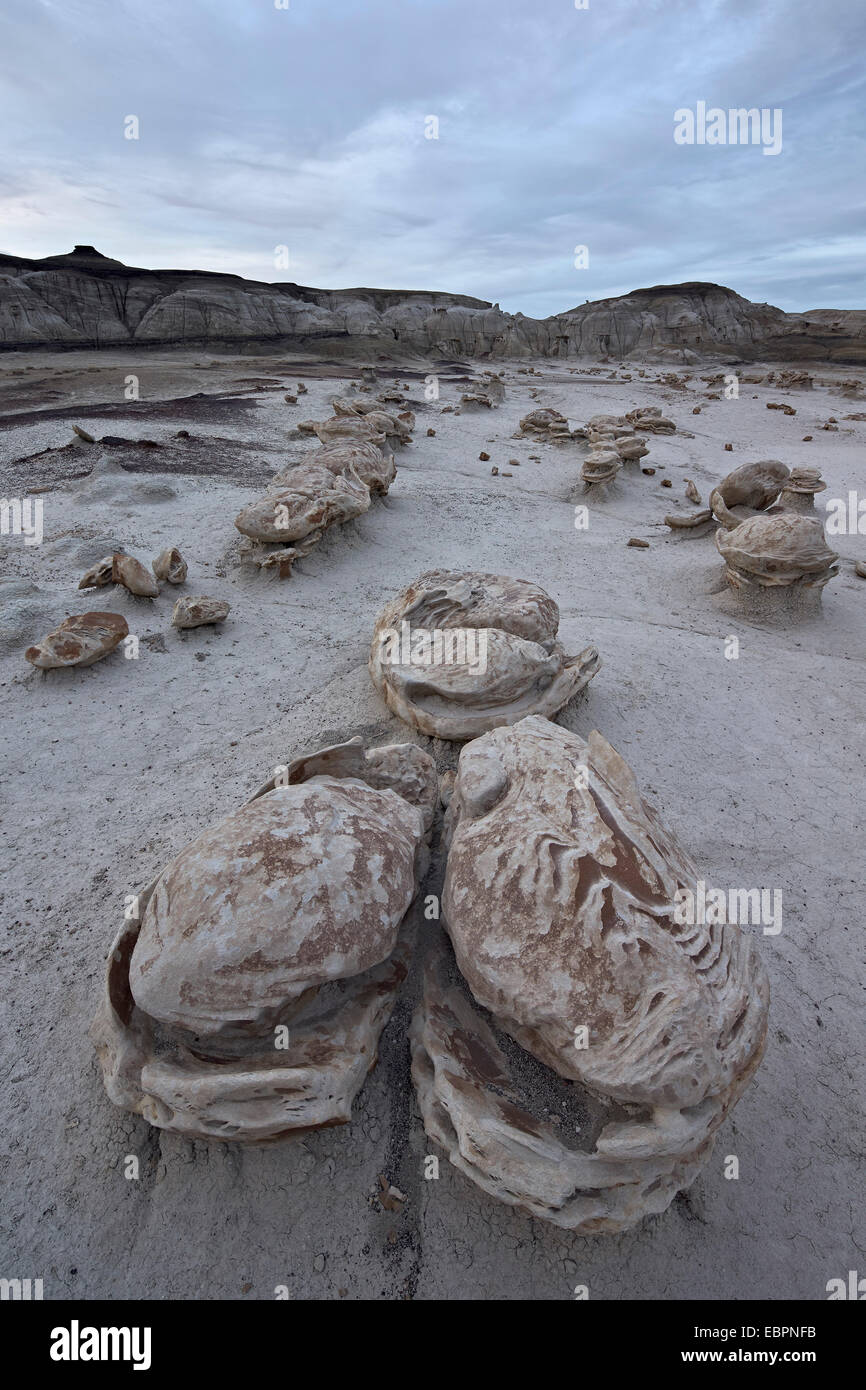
(86, 300)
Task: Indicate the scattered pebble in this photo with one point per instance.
(637, 543)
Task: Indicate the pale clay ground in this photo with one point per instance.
(756, 763)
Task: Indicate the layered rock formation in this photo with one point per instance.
(86, 300)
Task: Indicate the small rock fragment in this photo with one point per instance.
(860, 568)
(807, 438)
(691, 492)
(82, 434)
(666, 482)
(494, 471)
(196, 611)
(131, 573)
(99, 575)
(649, 472)
(729, 448)
(430, 434)
(170, 565)
(780, 405)
(485, 458)
(390, 1197)
(637, 543)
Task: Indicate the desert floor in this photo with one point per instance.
(755, 763)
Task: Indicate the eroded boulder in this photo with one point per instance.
(79, 641)
(246, 999)
(456, 654)
(579, 988)
(784, 551)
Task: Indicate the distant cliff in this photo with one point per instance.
(86, 300)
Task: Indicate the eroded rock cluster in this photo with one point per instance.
(618, 439)
(488, 392)
(333, 485)
(769, 534)
(546, 425)
(613, 439)
(86, 638)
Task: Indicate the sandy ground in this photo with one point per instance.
(756, 763)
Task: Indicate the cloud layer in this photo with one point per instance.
(307, 127)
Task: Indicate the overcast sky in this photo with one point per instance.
(305, 127)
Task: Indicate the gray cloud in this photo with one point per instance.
(305, 128)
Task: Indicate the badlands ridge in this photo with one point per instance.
(86, 300)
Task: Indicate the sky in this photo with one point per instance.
(297, 143)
